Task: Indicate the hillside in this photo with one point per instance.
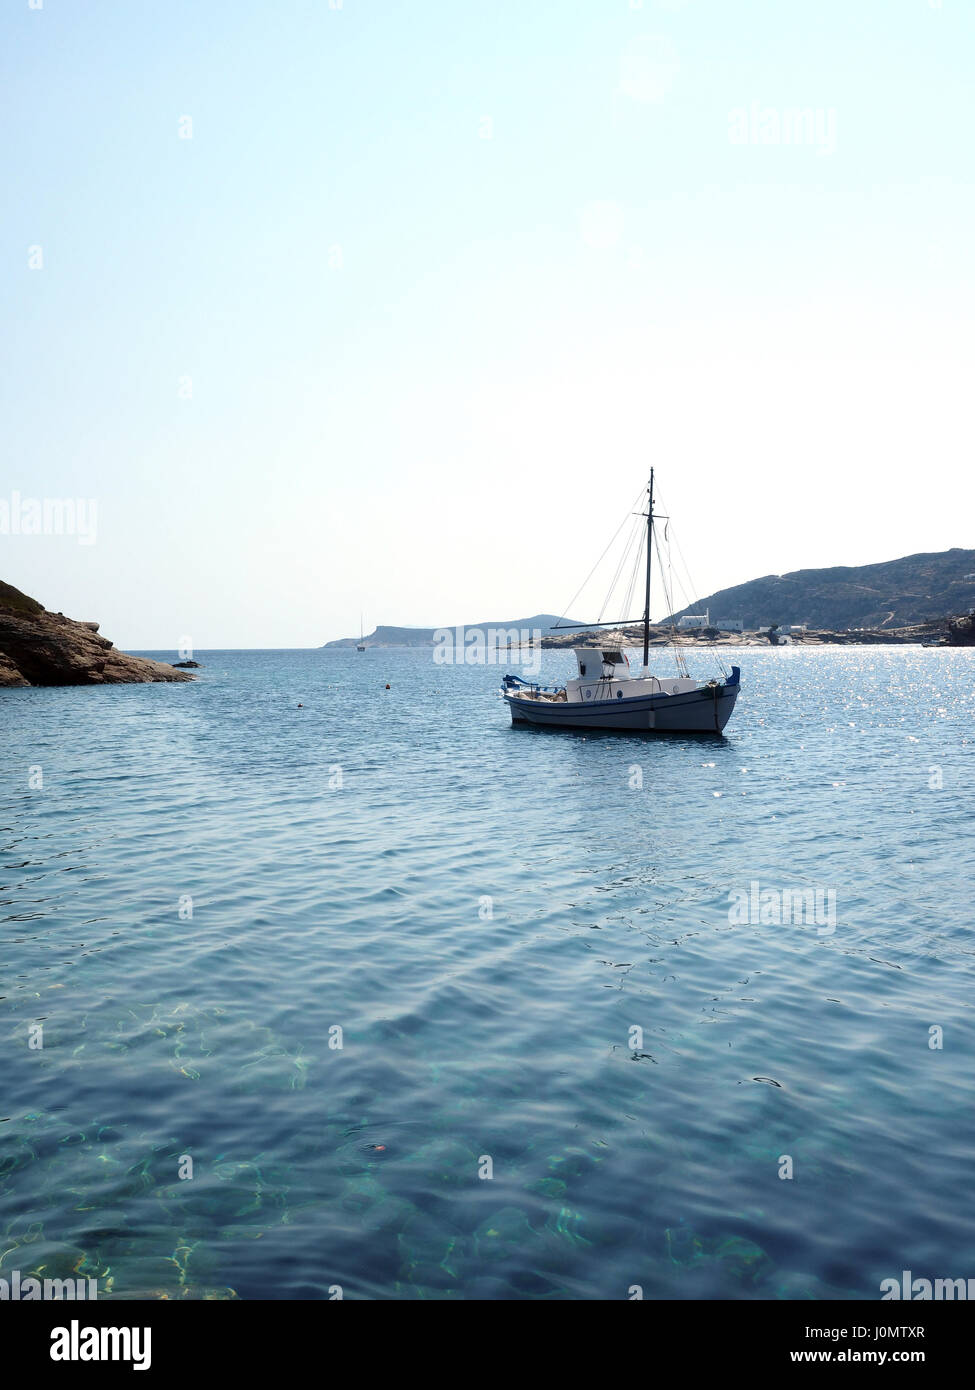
(16, 601)
(423, 636)
(896, 593)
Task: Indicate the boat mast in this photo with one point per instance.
(646, 606)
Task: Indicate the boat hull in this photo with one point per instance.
(698, 711)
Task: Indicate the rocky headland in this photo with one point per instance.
(42, 648)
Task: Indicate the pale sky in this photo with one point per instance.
(403, 325)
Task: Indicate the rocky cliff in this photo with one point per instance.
(42, 648)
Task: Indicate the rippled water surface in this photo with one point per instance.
(211, 883)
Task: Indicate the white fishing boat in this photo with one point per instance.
(607, 694)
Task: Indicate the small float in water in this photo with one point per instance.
(607, 694)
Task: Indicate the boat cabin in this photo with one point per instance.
(598, 663)
(602, 671)
(604, 674)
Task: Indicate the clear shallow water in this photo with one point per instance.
(467, 1034)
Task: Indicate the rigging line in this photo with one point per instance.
(603, 556)
(678, 653)
(690, 593)
(689, 599)
(694, 602)
(636, 539)
(619, 568)
(636, 569)
(709, 642)
(692, 597)
(675, 578)
(636, 560)
(665, 572)
(667, 576)
(689, 596)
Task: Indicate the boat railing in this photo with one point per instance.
(531, 689)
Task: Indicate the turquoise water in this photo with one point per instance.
(486, 913)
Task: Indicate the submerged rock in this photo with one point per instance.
(743, 1259)
(505, 1234)
(42, 648)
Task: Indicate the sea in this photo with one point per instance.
(320, 980)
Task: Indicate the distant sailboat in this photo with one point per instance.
(362, 640)
(606, 694)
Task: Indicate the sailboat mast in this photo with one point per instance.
(646, 606)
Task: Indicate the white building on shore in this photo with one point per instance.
(695, 620)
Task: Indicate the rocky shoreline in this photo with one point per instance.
(943, 632)
(42, 648)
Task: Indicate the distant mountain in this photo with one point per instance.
(915, 589)
(423, 636)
